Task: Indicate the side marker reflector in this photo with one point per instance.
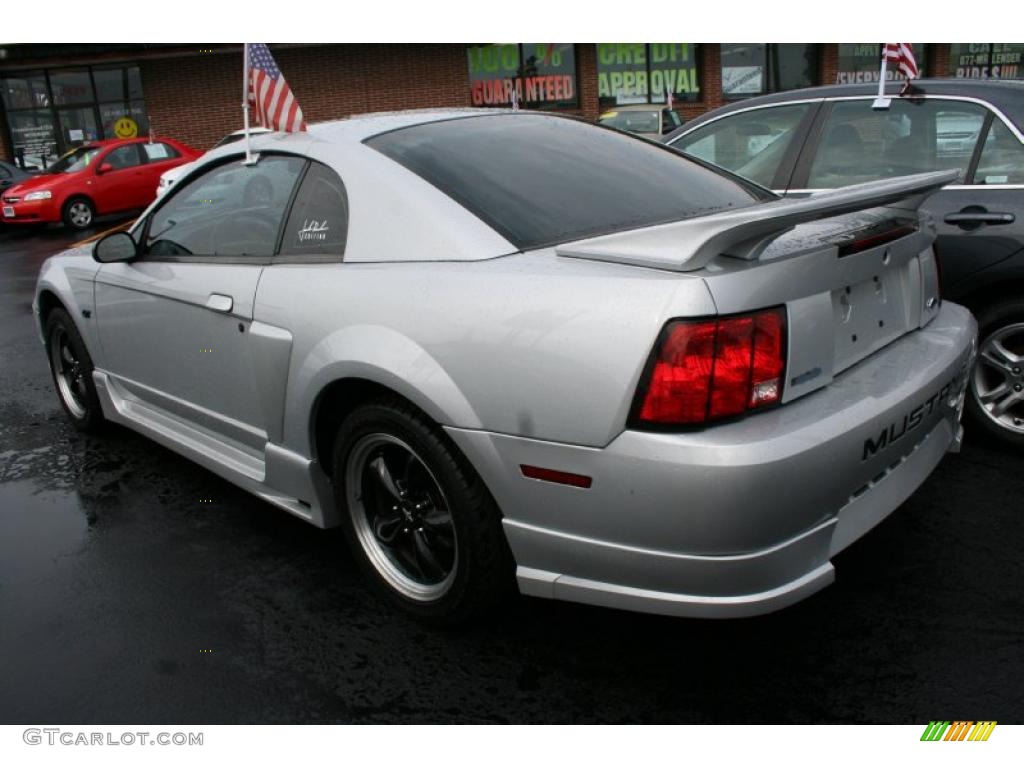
(556, 476)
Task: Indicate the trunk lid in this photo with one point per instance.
(854, 268)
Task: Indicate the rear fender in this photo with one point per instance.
(380, 355)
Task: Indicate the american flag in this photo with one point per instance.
(270, 95)
(903, 55)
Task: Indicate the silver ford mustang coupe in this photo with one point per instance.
(506, 348)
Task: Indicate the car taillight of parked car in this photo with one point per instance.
(719, 368)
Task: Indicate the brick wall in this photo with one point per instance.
(198, 99)
(829, 63)
(938, 60)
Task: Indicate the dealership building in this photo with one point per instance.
(56, 96)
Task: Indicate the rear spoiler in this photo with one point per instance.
(684, 246)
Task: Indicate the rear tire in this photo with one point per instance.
(71, 367)
(424, 529)
(79, 213)
(995, 404)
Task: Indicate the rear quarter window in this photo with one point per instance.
(540, 180)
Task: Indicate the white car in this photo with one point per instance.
(168, 179)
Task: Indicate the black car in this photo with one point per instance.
(799, 142)
(10, 175)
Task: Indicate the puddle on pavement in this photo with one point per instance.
(37, 529)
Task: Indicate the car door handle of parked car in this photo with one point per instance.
(218, 302)
(973, 219)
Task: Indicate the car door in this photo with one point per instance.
(760, 144)
(977, 218)
(118, 179)
(174, 323)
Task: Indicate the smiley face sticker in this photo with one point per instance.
(126, 128)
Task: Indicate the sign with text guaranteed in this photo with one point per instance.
(542, 74)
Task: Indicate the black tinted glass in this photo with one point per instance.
(541, 180)
(230, 210)
(319, 218)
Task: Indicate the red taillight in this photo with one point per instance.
(713, 369)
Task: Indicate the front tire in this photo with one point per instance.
(71, 367)
(78, 213)
(996, 401)
(422, 526)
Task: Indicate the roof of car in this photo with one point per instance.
(359, 127)
(100, 143)
(1006, 95)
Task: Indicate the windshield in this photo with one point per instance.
(76, 160)
(541, 180)
(632, 120)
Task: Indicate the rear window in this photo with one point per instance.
(541, 180)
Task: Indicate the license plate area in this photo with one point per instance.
(9, 211)
(868, 315)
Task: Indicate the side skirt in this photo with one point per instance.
(280, 476)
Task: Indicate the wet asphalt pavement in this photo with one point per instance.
(136, 587)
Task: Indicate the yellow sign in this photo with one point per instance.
(126, 128)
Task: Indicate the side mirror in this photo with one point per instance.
(117, 246)
(105, 168)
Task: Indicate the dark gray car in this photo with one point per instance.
(10, 175)
(801, 142)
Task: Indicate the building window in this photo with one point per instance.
(645, 73)
(542, 74)
(52, 111)
(991, 60)
(862, 62)
(749, 69)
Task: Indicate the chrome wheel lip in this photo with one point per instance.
(997, 382)
(81, 214)
(383, 562)
(68, 373)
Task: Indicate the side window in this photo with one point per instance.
(751, 144)
(859, 144)
(318, 222)
(1002, 157)
(669, 120)
(124, 157)
(231, 210)
(159, 151)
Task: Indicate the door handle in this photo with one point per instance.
(975, 219)
(218, 302)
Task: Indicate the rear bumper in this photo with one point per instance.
(741, 518)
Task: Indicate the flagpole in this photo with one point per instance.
(881, 102)
(245, 102)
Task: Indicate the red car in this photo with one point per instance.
(92, 180)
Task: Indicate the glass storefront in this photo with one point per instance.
(645, 73)
(750, 69)
(862, 62)
(1000, 61)
(52, 111)
(542, 74)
